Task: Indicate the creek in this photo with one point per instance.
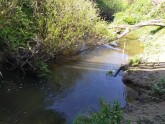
(74, 87)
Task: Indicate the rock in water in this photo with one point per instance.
(114, 44)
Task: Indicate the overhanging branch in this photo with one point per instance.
(129, 28)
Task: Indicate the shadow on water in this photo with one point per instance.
(26, 107)
(71, 88)
(83, 82)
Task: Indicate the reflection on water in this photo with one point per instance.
(82, 83)
(25, 107)
(132, 45)
(71, 89)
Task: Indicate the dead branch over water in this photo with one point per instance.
(129, 28)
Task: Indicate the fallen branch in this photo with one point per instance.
(1, 74)
(129, 28)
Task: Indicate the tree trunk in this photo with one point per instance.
(129, 28)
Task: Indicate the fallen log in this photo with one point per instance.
(121, 67)
(129, 28)
(1, 74)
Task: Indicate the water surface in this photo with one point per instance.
(75, 86)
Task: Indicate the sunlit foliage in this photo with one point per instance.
(35, 30)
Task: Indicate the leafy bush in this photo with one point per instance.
(158, 89)
(107, 115)
(67, 21)
(157, 12)
(141, 10)
(37, 30)
(16, 24)
(135, 12)
(110, 7)
(129, 20)
(134, 61)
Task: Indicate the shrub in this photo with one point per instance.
(37, 30)
(135, 12)
(67, 21)
(157, 12)
(16, 24)
(107, 115)
(134, 61)
(158, 89)
(110, 7)
(129, 20)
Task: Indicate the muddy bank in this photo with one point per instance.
(144, 107)
(145, 113)
(143, 77)
(152, 67)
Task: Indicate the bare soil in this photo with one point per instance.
(141, 108)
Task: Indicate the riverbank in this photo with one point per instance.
(146, 103)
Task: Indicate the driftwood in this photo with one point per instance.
(121, 67)
(129, 28)
(1, 74)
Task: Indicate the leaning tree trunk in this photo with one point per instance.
(129, 28)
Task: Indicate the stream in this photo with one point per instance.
(74, 87)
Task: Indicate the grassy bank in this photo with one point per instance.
(151, 36)
(147, 78)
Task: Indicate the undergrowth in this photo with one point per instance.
(157, 89)
(151, 36)
(109, 7)
(140, 10)
(134, 61)
(107, 114)
(33, 31)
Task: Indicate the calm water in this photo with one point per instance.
(75, 86)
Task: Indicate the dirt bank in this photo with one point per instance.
(143, 107)
(145, 113)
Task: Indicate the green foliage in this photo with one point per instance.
(144, 120)
(67, 21)
(135, 12)
(58, 23)
(54, 25)
(158, 11)
(140, 10)
(110, 7)
(42, 68)
(129, 20)
(109, 73)
(107, 115)
(158, 89)
(17, 24)
(134, 61)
